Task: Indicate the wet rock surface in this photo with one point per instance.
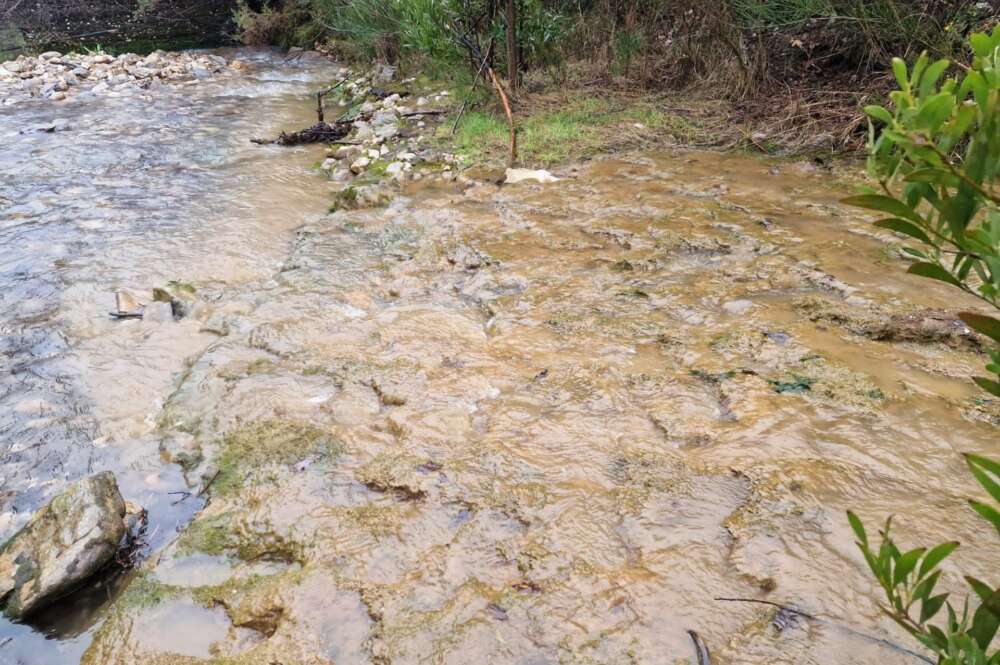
(63, 544)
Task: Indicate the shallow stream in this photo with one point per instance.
(530, 424)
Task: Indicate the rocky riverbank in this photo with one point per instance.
(392, 139)
(57, 77)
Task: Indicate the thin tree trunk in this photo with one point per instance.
(512, 64)
(512, 152)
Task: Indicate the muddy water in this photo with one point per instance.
(536, 424)
(129, 192)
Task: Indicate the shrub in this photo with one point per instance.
(289, 25)
(937, 161)
(909, 579)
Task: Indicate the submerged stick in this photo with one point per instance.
(700, 649)
(857, 633)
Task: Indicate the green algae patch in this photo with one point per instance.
(380, 521)
(396, 473)
(254, 602)
(227, 535)
(209, 535)
(145, 591)
(248, 448)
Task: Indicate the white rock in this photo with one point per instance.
(360, 164)
(394, 169)
(737, 307)
(345, 151)
(422, 101)
(362, 130)
(329, 164)
(384, 117)
(387, 131)
(406, 156)
(374, 154)
(50, 55)
(524, 175)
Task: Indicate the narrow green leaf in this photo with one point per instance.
(935, 111)
(858, 527)
(985, 479)
(936, 556)
(933, 271)
(989, 385)
(925, 587)
(988, 512)
(884, 204)
(986, 325)
(983, 462)
(981, 45)
(904, 227)
(931, 76)
(906, 564)
(879, 113)
(982, 589)
(986, 620)
(930, 607)
(899, 70)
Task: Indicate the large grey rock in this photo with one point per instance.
(65, 542)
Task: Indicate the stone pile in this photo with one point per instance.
(56, 76)
(386, 143)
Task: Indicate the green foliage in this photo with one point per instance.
(541, 33)
(288, 26)
(389, 29)
(882, 25)
(909, 579)
(628, 44)
(937, 160)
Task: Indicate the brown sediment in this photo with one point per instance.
(543, 453)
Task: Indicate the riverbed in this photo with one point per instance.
(521, 424)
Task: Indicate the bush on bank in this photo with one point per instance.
(742, 46)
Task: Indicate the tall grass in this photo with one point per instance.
(741, 47)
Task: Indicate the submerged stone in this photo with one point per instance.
(66, 542)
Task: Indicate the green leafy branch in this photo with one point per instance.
(937, 161)
(910, 578)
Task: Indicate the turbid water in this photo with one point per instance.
(530, 424)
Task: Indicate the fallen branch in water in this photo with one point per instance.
(700, 649)
(807, 615)
(324, 132)
(321, 132)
